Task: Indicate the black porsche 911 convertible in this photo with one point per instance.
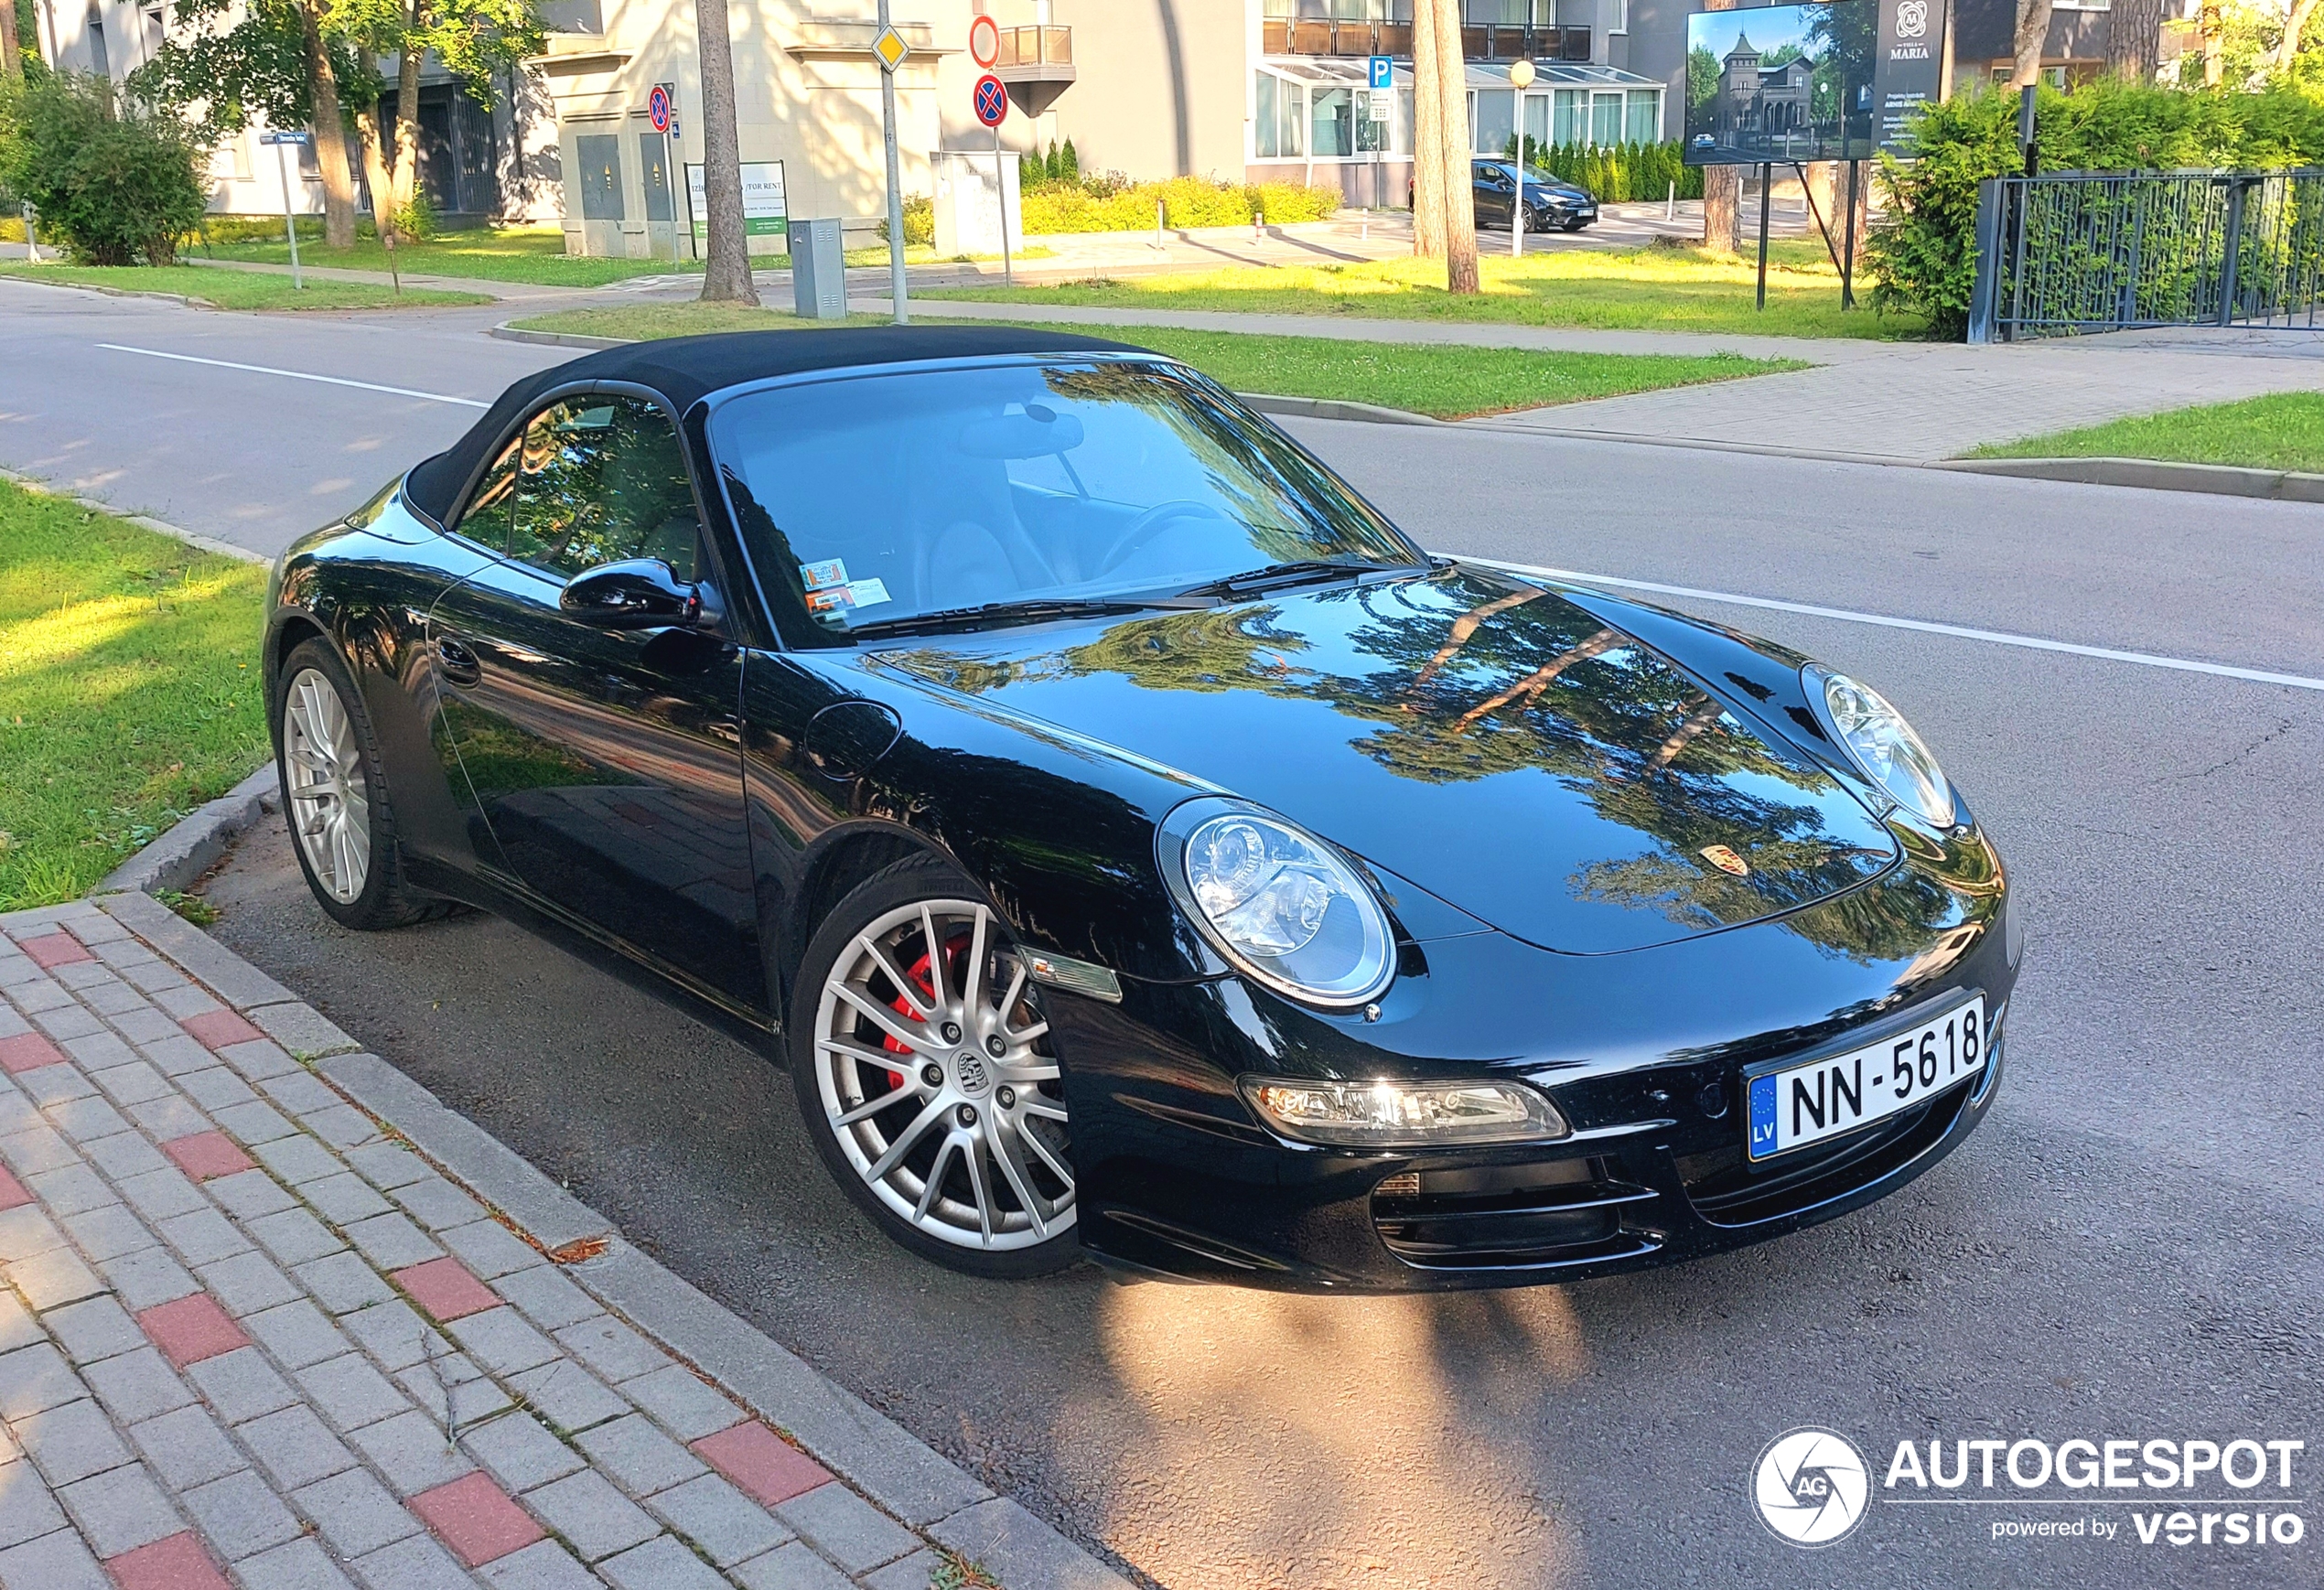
(1130, 843)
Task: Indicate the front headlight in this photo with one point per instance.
(1404, 1114)
(1281, 905)
(1880, 742)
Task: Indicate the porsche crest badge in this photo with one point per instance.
(1725, 860)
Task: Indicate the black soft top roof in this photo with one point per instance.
(684, 369)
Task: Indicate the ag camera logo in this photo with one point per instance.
(1912, 19)
(1811, 1486)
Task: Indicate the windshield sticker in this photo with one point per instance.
(867, 593)
(822, 576)
(835, 600)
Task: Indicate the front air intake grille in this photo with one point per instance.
(1561, 1212)
(1727, 1190)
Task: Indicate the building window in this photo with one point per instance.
(1643, 117)
(1278, 111)
(1568, 127)
(1332, 115)
(1606, 118)
(1619, 13)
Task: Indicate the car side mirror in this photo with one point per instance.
(635, 594)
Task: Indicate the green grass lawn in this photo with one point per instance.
(1447, 382)
(129, 689)
(1652, 289)
(238, 289)
(2282, 432)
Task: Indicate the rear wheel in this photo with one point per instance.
(924, 1069)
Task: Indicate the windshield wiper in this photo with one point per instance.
(1031, 610)
(1303, 571)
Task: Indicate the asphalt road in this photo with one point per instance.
(2129, 1247)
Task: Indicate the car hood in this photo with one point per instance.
(1487, 739)
(1565, 191)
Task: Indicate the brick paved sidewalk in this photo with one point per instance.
(248, 1337)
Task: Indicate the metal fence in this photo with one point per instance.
(2078, 250)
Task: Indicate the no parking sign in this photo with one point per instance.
(658, 107)
(992, 99)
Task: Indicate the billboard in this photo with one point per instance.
(1832, 80)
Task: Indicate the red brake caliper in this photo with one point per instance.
(956, 953)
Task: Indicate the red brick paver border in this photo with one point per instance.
(192, 1330)
(476, 1520)
(53, 949)
(220, 1030)
(446, 1288)
(761, 1462)
(208, 1155)
(27, 1052)
(176, 1563)
(13, 1194)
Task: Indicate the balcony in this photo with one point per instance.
(1036, 65)
(1496, 41)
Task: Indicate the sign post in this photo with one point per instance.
(661, 110)
(991, 108)
(290, 229)
(890, 48)
(1379, 79)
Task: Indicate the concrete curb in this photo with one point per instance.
(861, 1446)
(186, 299)
(2219, 480)
(192, 537)
(507, 331)
(196, 842)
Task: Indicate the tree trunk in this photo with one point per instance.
(2033, 30)
(375, 172)
(1461, 206)
(2295, 25)
(1723, 209)
(725, 278)
(1428, 140)
(2211, 25)
(2133, 34)
(330, 133)
(13, 67)
(407, 122)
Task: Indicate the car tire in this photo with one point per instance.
(335, 796)
(970, 1167)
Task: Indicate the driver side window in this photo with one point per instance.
(604, 479)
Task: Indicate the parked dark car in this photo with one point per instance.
(1551, 203)
(1128, 841)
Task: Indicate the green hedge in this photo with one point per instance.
(1922, 250)
(1187, 201)
(1616, 173)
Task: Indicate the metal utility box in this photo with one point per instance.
(974, 190)
(818, 270)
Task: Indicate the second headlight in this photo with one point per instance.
(1283, 906)
(1879, 741)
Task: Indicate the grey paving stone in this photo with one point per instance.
(301, 1029)
(418, 1563)
(184, 1000)
(71, 1442)
(165, 1119)
(18, 1114)
(437, 1204)
(349, 1393)
(42, 1148)
(913, 1573)
(297, 1334)
(248, 1194)
(34, 1378)
(108, 1233)
(215, 1087)
(146, 1025)
(344, 1199)
(121, 1511)
(240, 1385)
(53, 1085)
(17, 1329)
(54, 1278)
(174, 1054)
(26, 1231)
(596, 1519)
(132, 1081)
(62, 1022)
(543, 1565)
(501, 1340)
(661, 1564)
(791, 1567)
(298, 1565)
(241, 1515)
(71, 1189)
(298, 1159)
(300, 1092)
(148, 1277)
(568, 1396)
(254, 1122)
(546, 1298)
(203, 1237)
(98, 1328)
(123, 1155)
(186, 1448)
(392, 1242)
(55, 1562)
(343, 1282)
(388, 1166)
(519, 1452)
(471, 1395)
(611, 1348)
(83, 1119)
(727, 1525)
(294, 1446)
(28, 1510)
(294, 1237)
(114, 999)
(393, 1334)
(845, 1528)
(355, 1512)
(343, 1126)
(409, 1449)
(640, 1456)
(137, 1385)
(159, 1194)
(248, 1283)
(488, 1248)
(258, 1059)
(685, 1406)
(101, 1055)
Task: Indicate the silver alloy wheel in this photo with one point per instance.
(329, 797)
(935, 1083)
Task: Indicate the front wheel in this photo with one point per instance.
(924, 1069)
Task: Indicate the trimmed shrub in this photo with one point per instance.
(920, 221)
(1113, 204)
(1616, 173)
(116, 180)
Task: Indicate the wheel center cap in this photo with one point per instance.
(968, 1070)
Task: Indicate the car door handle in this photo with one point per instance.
(458, 664)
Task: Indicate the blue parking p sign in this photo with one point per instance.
(1382, 68)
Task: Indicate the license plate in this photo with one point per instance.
(1816, 1100)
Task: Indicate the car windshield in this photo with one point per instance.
(869, 501)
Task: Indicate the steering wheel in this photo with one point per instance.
(1149, 524)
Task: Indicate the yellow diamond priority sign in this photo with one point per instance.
(890, 48)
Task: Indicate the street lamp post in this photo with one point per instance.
(1520, 77)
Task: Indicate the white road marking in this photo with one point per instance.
(434, 397)
(1846, 616)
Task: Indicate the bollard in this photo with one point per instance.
(1669, 204)
(1258, 226)
(1157, 225)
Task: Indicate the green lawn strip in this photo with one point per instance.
(238, 289)
(1650, 289)
(1443, 381)
(2285, 431)
(129, 689)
